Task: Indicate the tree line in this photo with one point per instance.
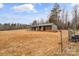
(13, 26)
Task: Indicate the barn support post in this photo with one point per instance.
(36, 29)
(42, 28)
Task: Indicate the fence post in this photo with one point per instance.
(61, 41)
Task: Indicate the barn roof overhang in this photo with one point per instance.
(48, 24)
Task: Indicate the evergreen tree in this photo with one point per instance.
(54, 16)
(34, 22)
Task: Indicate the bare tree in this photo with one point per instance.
(63, 15)
(75, 15)
(66, 19)
(42, 21)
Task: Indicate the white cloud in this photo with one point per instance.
(74, 4)
(1, 5)
(24, 7)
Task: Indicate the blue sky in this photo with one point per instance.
(25, 13)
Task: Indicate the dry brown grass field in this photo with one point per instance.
(33, 43)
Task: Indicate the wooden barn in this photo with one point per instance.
(44, 27)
